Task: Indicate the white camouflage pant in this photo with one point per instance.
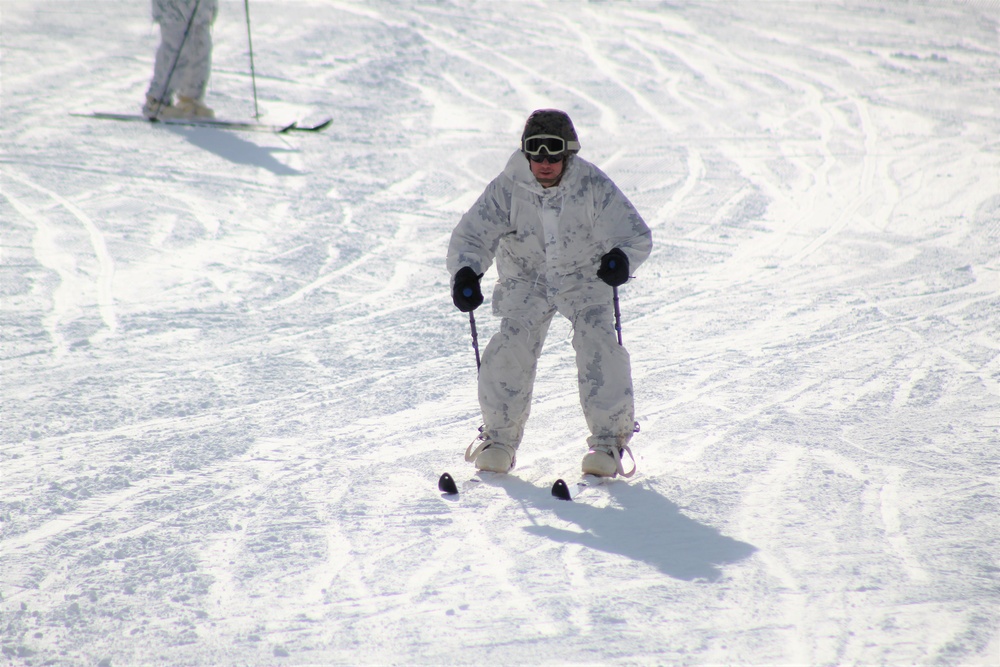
(185, 60)
(603, 366)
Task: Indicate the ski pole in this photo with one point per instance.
(475, 339)
(177, 57)
(618, 328)
(253, 75)
(618, 315)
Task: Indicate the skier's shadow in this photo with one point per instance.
(229, 146)
(640, 524)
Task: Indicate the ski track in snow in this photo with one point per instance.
(232, 373)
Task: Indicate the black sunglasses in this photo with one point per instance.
(551, 159)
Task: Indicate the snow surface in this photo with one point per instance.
(232, 372)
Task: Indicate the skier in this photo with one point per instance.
(563, 235)
(183, 60)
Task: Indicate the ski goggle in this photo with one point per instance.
(550, 143)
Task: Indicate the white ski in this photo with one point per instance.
(250, 126)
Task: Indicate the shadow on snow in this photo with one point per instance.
(640, 524)
(230, 147)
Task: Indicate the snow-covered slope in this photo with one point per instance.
(231, 372)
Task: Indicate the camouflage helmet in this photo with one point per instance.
(553, 123)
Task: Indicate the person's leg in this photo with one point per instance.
(506, 379)
(194, 67)
(183, 61)
(159, 95)
(604, 375)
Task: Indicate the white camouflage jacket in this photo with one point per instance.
(548, 243)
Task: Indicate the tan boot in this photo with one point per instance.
(601, 463)
(189, 107)
(491, 456)
(154, 108)
(606, 461)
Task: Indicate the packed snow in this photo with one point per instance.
(232, 372)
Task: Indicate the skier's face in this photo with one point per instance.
(547, 173)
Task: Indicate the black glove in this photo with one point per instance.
(614, 268)
(466, 293)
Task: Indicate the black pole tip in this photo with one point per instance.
(447, 485)
(560, 490)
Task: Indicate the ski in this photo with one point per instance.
(560, 489)
(450, 490)
(220, 124)
(446, 485)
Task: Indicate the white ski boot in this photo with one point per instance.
(606, 461)
(154, 108)
(491, 456)
(189, 107)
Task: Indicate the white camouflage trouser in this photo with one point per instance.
(192, 54)
(604, 375)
